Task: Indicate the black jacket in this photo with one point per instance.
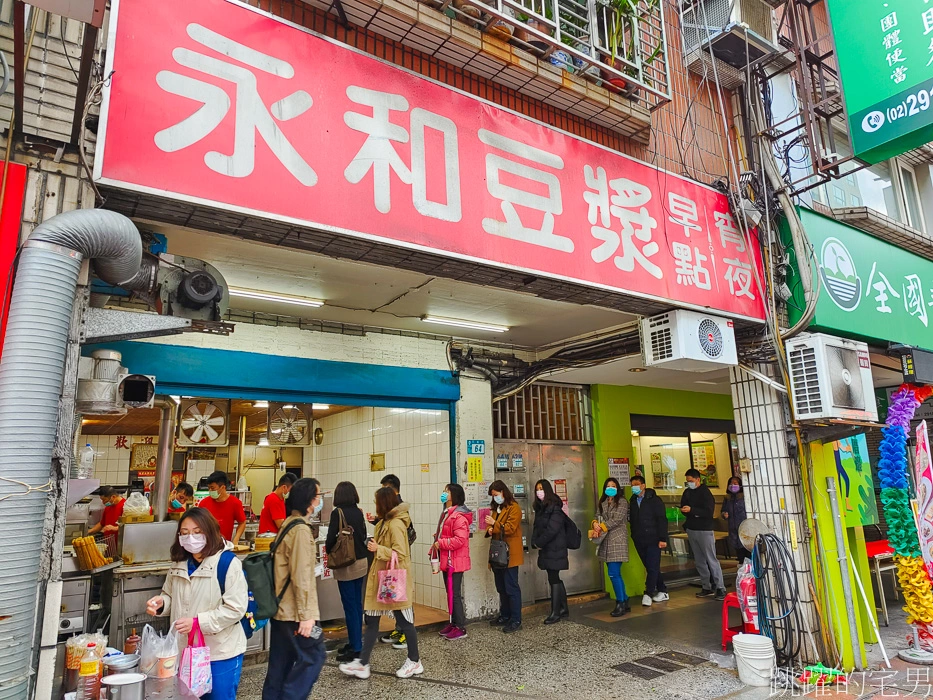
(648, 520)
(550, 539)
(356, 520)
(702, 508)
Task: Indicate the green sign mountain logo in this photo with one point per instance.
(840, 278)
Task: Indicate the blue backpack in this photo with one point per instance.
(249, 622)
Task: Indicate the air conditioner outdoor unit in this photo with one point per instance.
(688, 341)
(830, 378)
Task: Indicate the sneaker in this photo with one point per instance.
(447, 629)
(661, 597)
(409, 668)
(391, 638)
(706, 593)
(499, 621)
(456, 633)
(355, 668)
(512, 627)
(721, 594)
(400, 643)
(347, 656)
(646, 600)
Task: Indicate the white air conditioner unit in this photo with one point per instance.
(688, 341)
(830, 378)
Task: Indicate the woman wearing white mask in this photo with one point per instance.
(192, 593)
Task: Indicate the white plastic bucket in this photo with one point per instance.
(754, 658)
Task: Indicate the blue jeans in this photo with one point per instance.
(225, 678)
(351, 595)
(615, 575)
(510, 595)
(295, 662)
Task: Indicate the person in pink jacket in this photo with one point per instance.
(452, 547)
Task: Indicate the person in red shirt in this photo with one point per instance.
(273, 508)
(180, 498)
(113, 511)
(225, 508)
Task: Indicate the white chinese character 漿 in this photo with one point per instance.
(690, 270)
(683, 212)
(896, 56)
(899, 75)
(627, 204)
(252, 116)
(927, 18)
(891, 40)
(889, 22)
(598, 199)
(913, 298)
(739, 277)
(883, 288)
(729, 233)
(550, 204)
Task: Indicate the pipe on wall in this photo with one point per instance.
(162, 485)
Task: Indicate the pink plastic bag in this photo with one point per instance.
(393, 583)
(195, 671)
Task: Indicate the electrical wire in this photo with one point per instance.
(779, 615)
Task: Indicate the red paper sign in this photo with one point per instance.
(217, 103)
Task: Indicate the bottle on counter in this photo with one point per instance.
(85, 467)
(131, 645)
(89, 674)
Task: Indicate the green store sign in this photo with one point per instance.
(871, 290)
(885, 54)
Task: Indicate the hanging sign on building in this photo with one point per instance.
(871, 290)
(216, 103)
(885, 53)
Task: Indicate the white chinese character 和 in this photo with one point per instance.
(913, 298)
(690, 269)
(683, 212)
(883, 288)
(550, 204)
(729, 233)
(251, 114)
(739, 277)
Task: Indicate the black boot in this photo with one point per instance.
(555, 605)
(564, 607)
(620, 609)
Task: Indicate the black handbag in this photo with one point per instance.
(499, 551)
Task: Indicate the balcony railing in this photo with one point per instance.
(618, 44)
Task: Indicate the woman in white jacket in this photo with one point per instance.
(192, 591)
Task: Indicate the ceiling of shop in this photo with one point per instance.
(617, 373)
(145, 421)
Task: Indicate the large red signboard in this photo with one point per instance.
(214, 102)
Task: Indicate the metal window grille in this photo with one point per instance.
(547, 412)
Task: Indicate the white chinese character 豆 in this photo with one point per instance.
(739, 277)
(889, 22)
(913, 298)
(891, 40)
(627, 205)
(729, 233)
(690, 269)
(683, 212)
(549, 204)
(251, 114)
(883, 288)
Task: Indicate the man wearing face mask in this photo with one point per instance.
(273, 508)
(226, 508)
(181, 498)
(649, 533)
(698, 504)
(113, 510)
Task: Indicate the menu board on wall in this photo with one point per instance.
(619, 470)
(476, 498)
(704, 460)
(657, 470)
(560, 490)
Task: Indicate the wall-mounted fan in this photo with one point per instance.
(204, 422)
(289, 424)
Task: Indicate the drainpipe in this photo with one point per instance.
(162, 485)
(240, 448)
(32, 371)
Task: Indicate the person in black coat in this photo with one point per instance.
(549, 536)
(351, 580)
(699, 505)
(648, 519)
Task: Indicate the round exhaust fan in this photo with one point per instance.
(289, 424)
(710, 337)
(749, 531)
(204, 423)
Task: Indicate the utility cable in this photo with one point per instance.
(779, 615)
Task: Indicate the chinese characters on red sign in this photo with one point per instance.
(214, 102)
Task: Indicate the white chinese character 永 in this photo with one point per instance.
(549, 204)
(896, 56)
(891, 40)
(899, 75)
(729, 233)
(739, 277)
(889, 22)
(927, 18)
(379, 155)
(626, 205)
(683, 212)
(690, 269)
(913, 298)
(251, 114)
(883, 288)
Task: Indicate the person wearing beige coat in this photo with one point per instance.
(390, 541)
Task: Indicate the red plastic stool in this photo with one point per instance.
(732, 601)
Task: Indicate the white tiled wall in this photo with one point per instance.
(112, 465)
(408, 438)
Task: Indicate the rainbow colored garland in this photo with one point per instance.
(895, 499)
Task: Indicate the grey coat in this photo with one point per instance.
(614, 546)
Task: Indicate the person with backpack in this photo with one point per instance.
(611, 526)
(452, 547)
(385, 593)
(193, 593)
(346, 539)
(549, 535)
(296, 650)
(504, 525)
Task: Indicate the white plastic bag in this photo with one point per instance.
(158, 654)
(136, 504)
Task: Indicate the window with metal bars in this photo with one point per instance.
(548, 412)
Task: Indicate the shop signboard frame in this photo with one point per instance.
(885, 56)
(202, 89)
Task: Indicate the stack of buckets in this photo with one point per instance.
(754, 658)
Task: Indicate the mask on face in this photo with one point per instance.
(192, 543)
(636, 489)
(108, 504)
(175, 503)
(499, 499)
(444, 497)
(734, 488)
(691, 484)
(540, 494)
(318, 507)
(215, 494)
(611, 491)
(285, 497)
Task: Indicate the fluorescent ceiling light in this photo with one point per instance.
(475, 325)
(320, 407)
(270, 296)
(260, 404)
(263, 442)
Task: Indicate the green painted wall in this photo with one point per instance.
(612, 435)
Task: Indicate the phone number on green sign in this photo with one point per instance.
(910, 106)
